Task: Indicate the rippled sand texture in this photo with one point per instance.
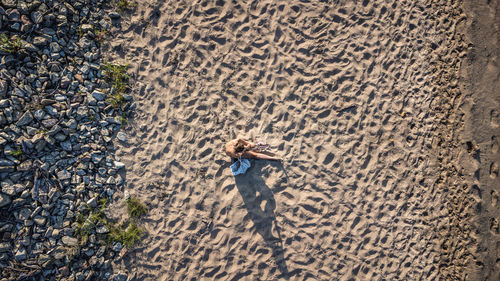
(341, 90)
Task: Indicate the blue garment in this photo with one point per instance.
(240, 166)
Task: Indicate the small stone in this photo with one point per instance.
(66, 145)
(69, 241)
(4, 247)
(40, 41)
(114, 15)
(39, 114)
(117, 247)
(120, 277)
(97, 157)
(3, 87)
(4, 200)
(40, 220)
(36, 17)
(92, 202)
(25, 119)
(126, 195)
(63, 175)
(86, 27)
(119, 165)
(8, 189)
(122, 136)
(9, 3)
(43, 259)
(102, 229)
(99, 95)
(5, 162)
(20, 254)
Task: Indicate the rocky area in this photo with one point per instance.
(58, 121)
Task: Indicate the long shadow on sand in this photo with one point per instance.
(255, 192)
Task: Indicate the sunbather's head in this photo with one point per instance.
(240, 146)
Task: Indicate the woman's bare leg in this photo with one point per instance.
(258, 155)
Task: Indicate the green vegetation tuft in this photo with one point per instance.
(117, 75)
(12, 45)
(100, 34)
(128, 236)
(123, 5)
(135, 208)
(95, 217)
(17, 152)
(127, 233)
(123, 119)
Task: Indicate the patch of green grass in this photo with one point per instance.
(118, 76)
(12, 45)
(128, 236)
(116, 99)
(123, 5)
(135, 208)
(43, 131)
(123, 119)
(128, 233)
(100, 34)
(79, 32)
(17, 152)
(95, 217)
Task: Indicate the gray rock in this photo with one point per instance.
(36, 17)
(69, 241)
(40, 41)
(98, 95)
(92, 202)
(4, 200)
(66, 145)
(5, 247)
(119, 165)
(49, 31)
(9, 3)
(5, 162)
(26, 119)
(20, 254)
(102, 229)
(49, 123)
(63, 175)
(122, 136)
(114, 15)
(3, 87)
(40, 220)
(97, 157)
(117, 247)
(4, 103)
(86, 27)
(39, 114)
(120, 276)
(54, 47)
(8, 189)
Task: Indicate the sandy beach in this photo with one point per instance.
(386, 115)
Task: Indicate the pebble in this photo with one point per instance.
(102, 229)
(20, 254)
(4, 200)
(5, 247)
(99, 95)
(121, 136)
(69, 241)
(26, 119)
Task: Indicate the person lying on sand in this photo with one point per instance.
(240, 148)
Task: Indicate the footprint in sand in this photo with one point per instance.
(494, 118)
(493, 170)
(494, 144)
